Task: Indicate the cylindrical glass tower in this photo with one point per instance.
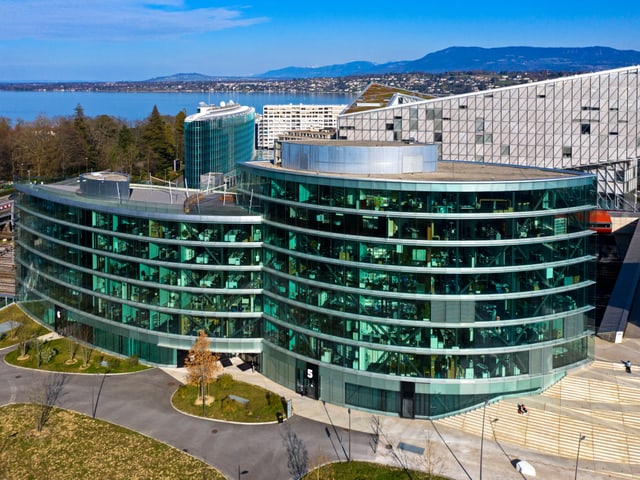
(422, 293)
(216, 139)
(142, 274)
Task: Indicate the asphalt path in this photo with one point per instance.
(142, 402)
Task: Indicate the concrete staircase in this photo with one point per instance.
(600, 401)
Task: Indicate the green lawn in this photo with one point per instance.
(55, 354)
(72, 445)
(263, 406)
(30, 328)
(62, 361)
(365, 471)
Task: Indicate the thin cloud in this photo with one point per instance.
(113, 20)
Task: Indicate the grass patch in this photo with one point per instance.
(365, 471)
(31, 328)
(76, 446)
(262, 405)
(98, 361)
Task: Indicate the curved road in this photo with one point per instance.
(141, 402)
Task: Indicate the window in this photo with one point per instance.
(505, 150)
(434, 114)
(484, 138)
(566, 152)
(585, 128)
(437, 137)
(479, 124)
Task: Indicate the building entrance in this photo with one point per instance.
(307, 379)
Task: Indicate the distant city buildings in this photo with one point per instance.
(216, 139)
(586, 122)
(277, 120)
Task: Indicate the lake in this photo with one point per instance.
(137, 106)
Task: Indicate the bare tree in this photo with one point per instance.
(417, 463)
(297, 454)
(45, 395)
(36, 344)
(433, 464)
(398, 456)
(84, 334)
(201, 364)
(323, 465)
(72, 346)
(22, 334)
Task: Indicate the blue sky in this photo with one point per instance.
(114, 40)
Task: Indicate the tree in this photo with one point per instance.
(178, 132)
(87, 143)
(157, 135)
(84, 334)
(6, 166)
(72, 346)
(23, 335)
(201, 364)
(45, 396)
(106, 130)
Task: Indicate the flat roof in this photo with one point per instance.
(140, 196)
(447, 171)
(350, 143)
(206, 112)
(106, 176)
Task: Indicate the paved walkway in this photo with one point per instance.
(599, 402)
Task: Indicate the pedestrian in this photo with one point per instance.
(627, 366)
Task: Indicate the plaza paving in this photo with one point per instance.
(600, 402)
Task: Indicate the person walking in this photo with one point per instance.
(627, 366)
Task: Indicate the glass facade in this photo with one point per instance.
(138, 285)
(394, 293)
(216, 139)
(419, 295)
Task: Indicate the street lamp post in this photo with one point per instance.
(484, 415)
(349, 412)
(580, 439)
(202, 391)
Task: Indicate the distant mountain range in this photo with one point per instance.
(503, 59)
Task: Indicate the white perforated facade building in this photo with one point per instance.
(588, 122)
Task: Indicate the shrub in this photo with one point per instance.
(229, 406)
(225, 381)
(47, 353)
(133, 360)
(272, 399)
(114, 363)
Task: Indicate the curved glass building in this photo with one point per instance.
(139, 270)
(216, 138)
(364, 274)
